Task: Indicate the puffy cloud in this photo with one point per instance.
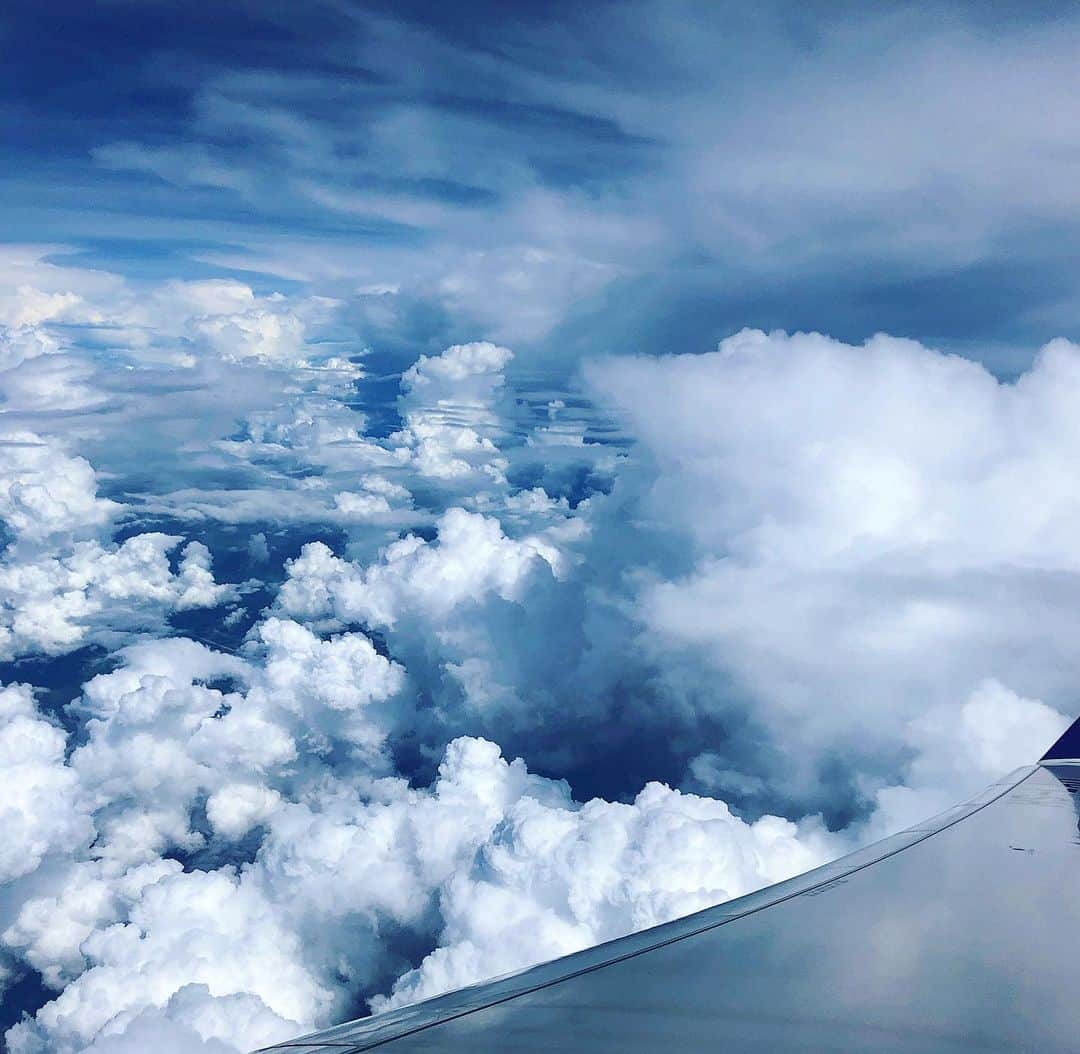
(198, 927)
(42, 810)
(554, 878)
(60, 584)
(55, 918)
(472, 558)
(361, 506)
(178, 732)
(29, 306)
(789, 599)
(868, 533)
(258, 333)
(226, 319)
(50, 384)
(237, 807)
(38, 288)
(478, 617)
(441, 376)
(450, 405)
(160, 738)
(19, 343)
(287, 743)
(46, 493)
(155, 322)
(809, 452)
(959, 748)
(54, 604)
(192, 1020)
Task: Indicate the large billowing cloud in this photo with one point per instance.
(552, 879)
(872, 531)
(42, 812)
(451, 411)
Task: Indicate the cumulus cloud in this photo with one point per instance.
(440, 376)
(45, 492)
(19, 343)
(229, 320)
(554, 878)
(958, 748)
(202, 928)
(280, 943)
(870, 532)
(54, 604)
(291, 748)
(192, 1020)
(470, 559)
(60, 584)
(451, 409)
(793, 575)
(41, 811)
(163, 322)
(125, 925)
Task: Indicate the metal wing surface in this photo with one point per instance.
(959, 934)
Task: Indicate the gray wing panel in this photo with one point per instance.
(956, 935)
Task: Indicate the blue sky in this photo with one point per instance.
(475, 482)
(906, 169)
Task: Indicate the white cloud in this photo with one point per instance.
(960, 748)
(451, 406)
(70, 904)
(871, 532)
(193, 1021)
(203, 928)
(41, 811)
(806, 538)
(54, 604)
(555, 877)
(259, 334)
(46, 493)
(43, 383)
(140, 946)
(237, 807)
(155, 323)
(472, 558)
(481, 365)
(361, 506)
(123, 929)
(60, 584)
(17, 344)
(866, 554)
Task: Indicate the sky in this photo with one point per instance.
(478, 481)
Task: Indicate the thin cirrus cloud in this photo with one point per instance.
(652, 187)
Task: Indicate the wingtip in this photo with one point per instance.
(1067, 748)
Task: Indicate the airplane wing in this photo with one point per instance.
(959, 934)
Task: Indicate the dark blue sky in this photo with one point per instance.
(567, 179)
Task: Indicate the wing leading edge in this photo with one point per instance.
(958, 934)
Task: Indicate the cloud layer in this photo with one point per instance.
(337, 693)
